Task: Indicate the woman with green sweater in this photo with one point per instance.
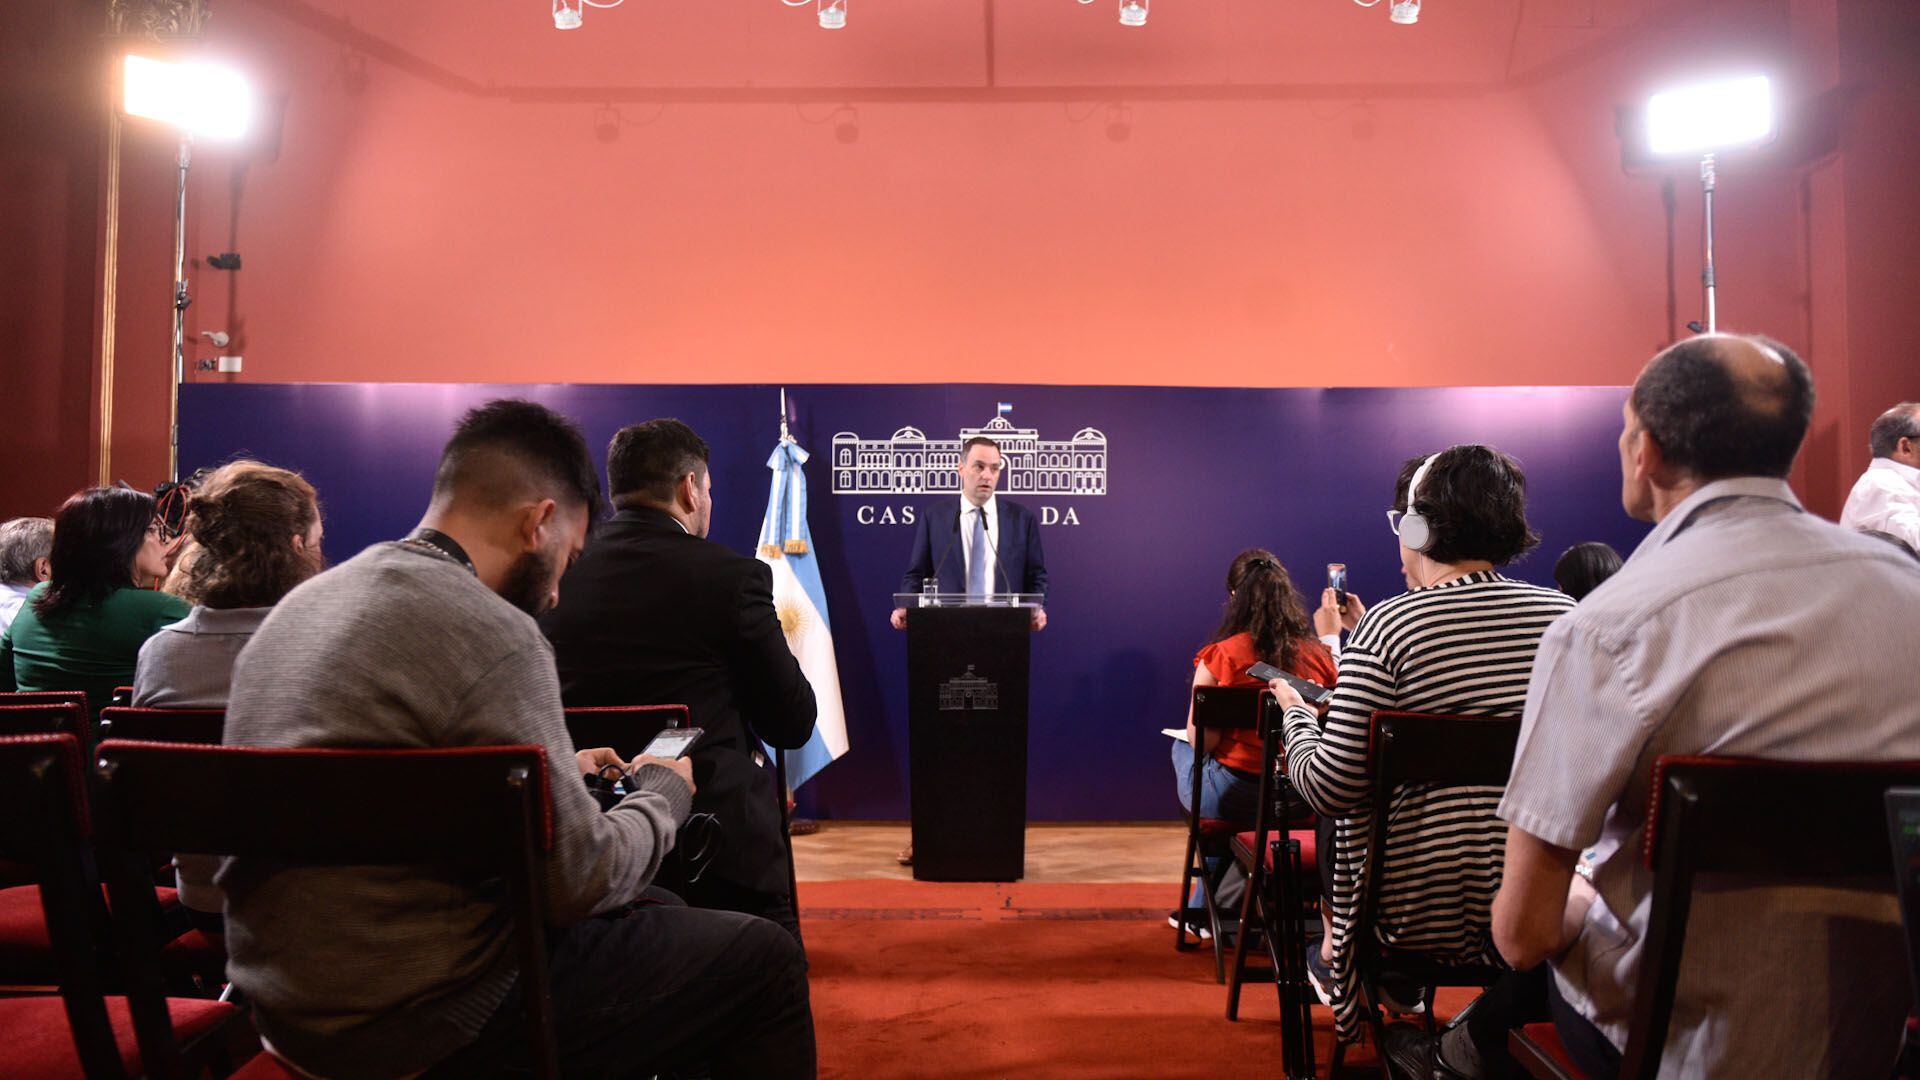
(83, 628)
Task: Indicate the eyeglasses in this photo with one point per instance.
(1393, 520)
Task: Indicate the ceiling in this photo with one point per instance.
(971, 49)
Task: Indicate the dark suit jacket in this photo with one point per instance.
(653, 616)
(938, 550)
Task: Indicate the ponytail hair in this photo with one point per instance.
(242, 521)
(1263, 603)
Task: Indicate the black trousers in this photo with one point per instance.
(716, 895)
(660, 987)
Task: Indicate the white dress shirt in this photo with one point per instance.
(1887, 498)
(12, 599)
(993, 540)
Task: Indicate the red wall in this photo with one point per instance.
(1359, 204)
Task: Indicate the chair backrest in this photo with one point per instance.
(44, 697)
(122, 696)
(626, 728)
(1425, 748)
(69, 716)
(1776, 820)
(44, 823)
(1227, 708)
(42, 718)
(203, 726)
(485, 807)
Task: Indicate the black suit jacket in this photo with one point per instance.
(651, 615)
(938, 550)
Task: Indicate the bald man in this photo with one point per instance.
(1742, 625)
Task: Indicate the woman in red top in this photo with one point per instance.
(1264, 620)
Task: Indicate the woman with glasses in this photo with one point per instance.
(83, 628)
(1460, 642)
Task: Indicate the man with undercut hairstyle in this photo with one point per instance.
(26, 560)
(1741, 626)
(665, 616)
(1886, 498)
(430, 642)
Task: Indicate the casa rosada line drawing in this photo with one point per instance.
(909, 463)
(968, 692)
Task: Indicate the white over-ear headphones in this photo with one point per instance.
(1416, 532)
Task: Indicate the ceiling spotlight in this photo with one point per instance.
(832, 13)
(1404, 12)
(1133, 12)
(568, 14)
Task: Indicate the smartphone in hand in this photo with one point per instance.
(673, 743)
(1313, 692)
(1337, 581)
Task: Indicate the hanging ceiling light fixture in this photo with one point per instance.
(831, 13)
(569, 14)
(1134, 12)
(1402, 12)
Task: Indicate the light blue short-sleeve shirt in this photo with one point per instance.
(1744, 626)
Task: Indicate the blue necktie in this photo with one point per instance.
(977, 556)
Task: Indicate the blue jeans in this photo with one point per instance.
(1224, 794)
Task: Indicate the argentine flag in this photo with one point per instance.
(786, 545)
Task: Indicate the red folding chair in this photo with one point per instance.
(1214, 708)
(626, 728)
(326, 806)
(202, 726)
(1733, 817)
(44, 821)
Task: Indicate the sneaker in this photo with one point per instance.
(1319, 975)
(1192, 921)
(1390, 997)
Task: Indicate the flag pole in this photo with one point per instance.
(785, 437)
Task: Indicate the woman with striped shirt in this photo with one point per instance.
(1461, 641)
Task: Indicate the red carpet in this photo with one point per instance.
(978, 981)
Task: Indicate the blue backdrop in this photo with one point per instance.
(1143, 513)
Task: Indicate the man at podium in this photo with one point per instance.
(979, 544)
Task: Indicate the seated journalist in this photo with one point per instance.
(430, 642)
(1461, 641)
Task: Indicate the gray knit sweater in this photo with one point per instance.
(376, 972)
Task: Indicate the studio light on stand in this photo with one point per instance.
(1706, 119)
(197, 100)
